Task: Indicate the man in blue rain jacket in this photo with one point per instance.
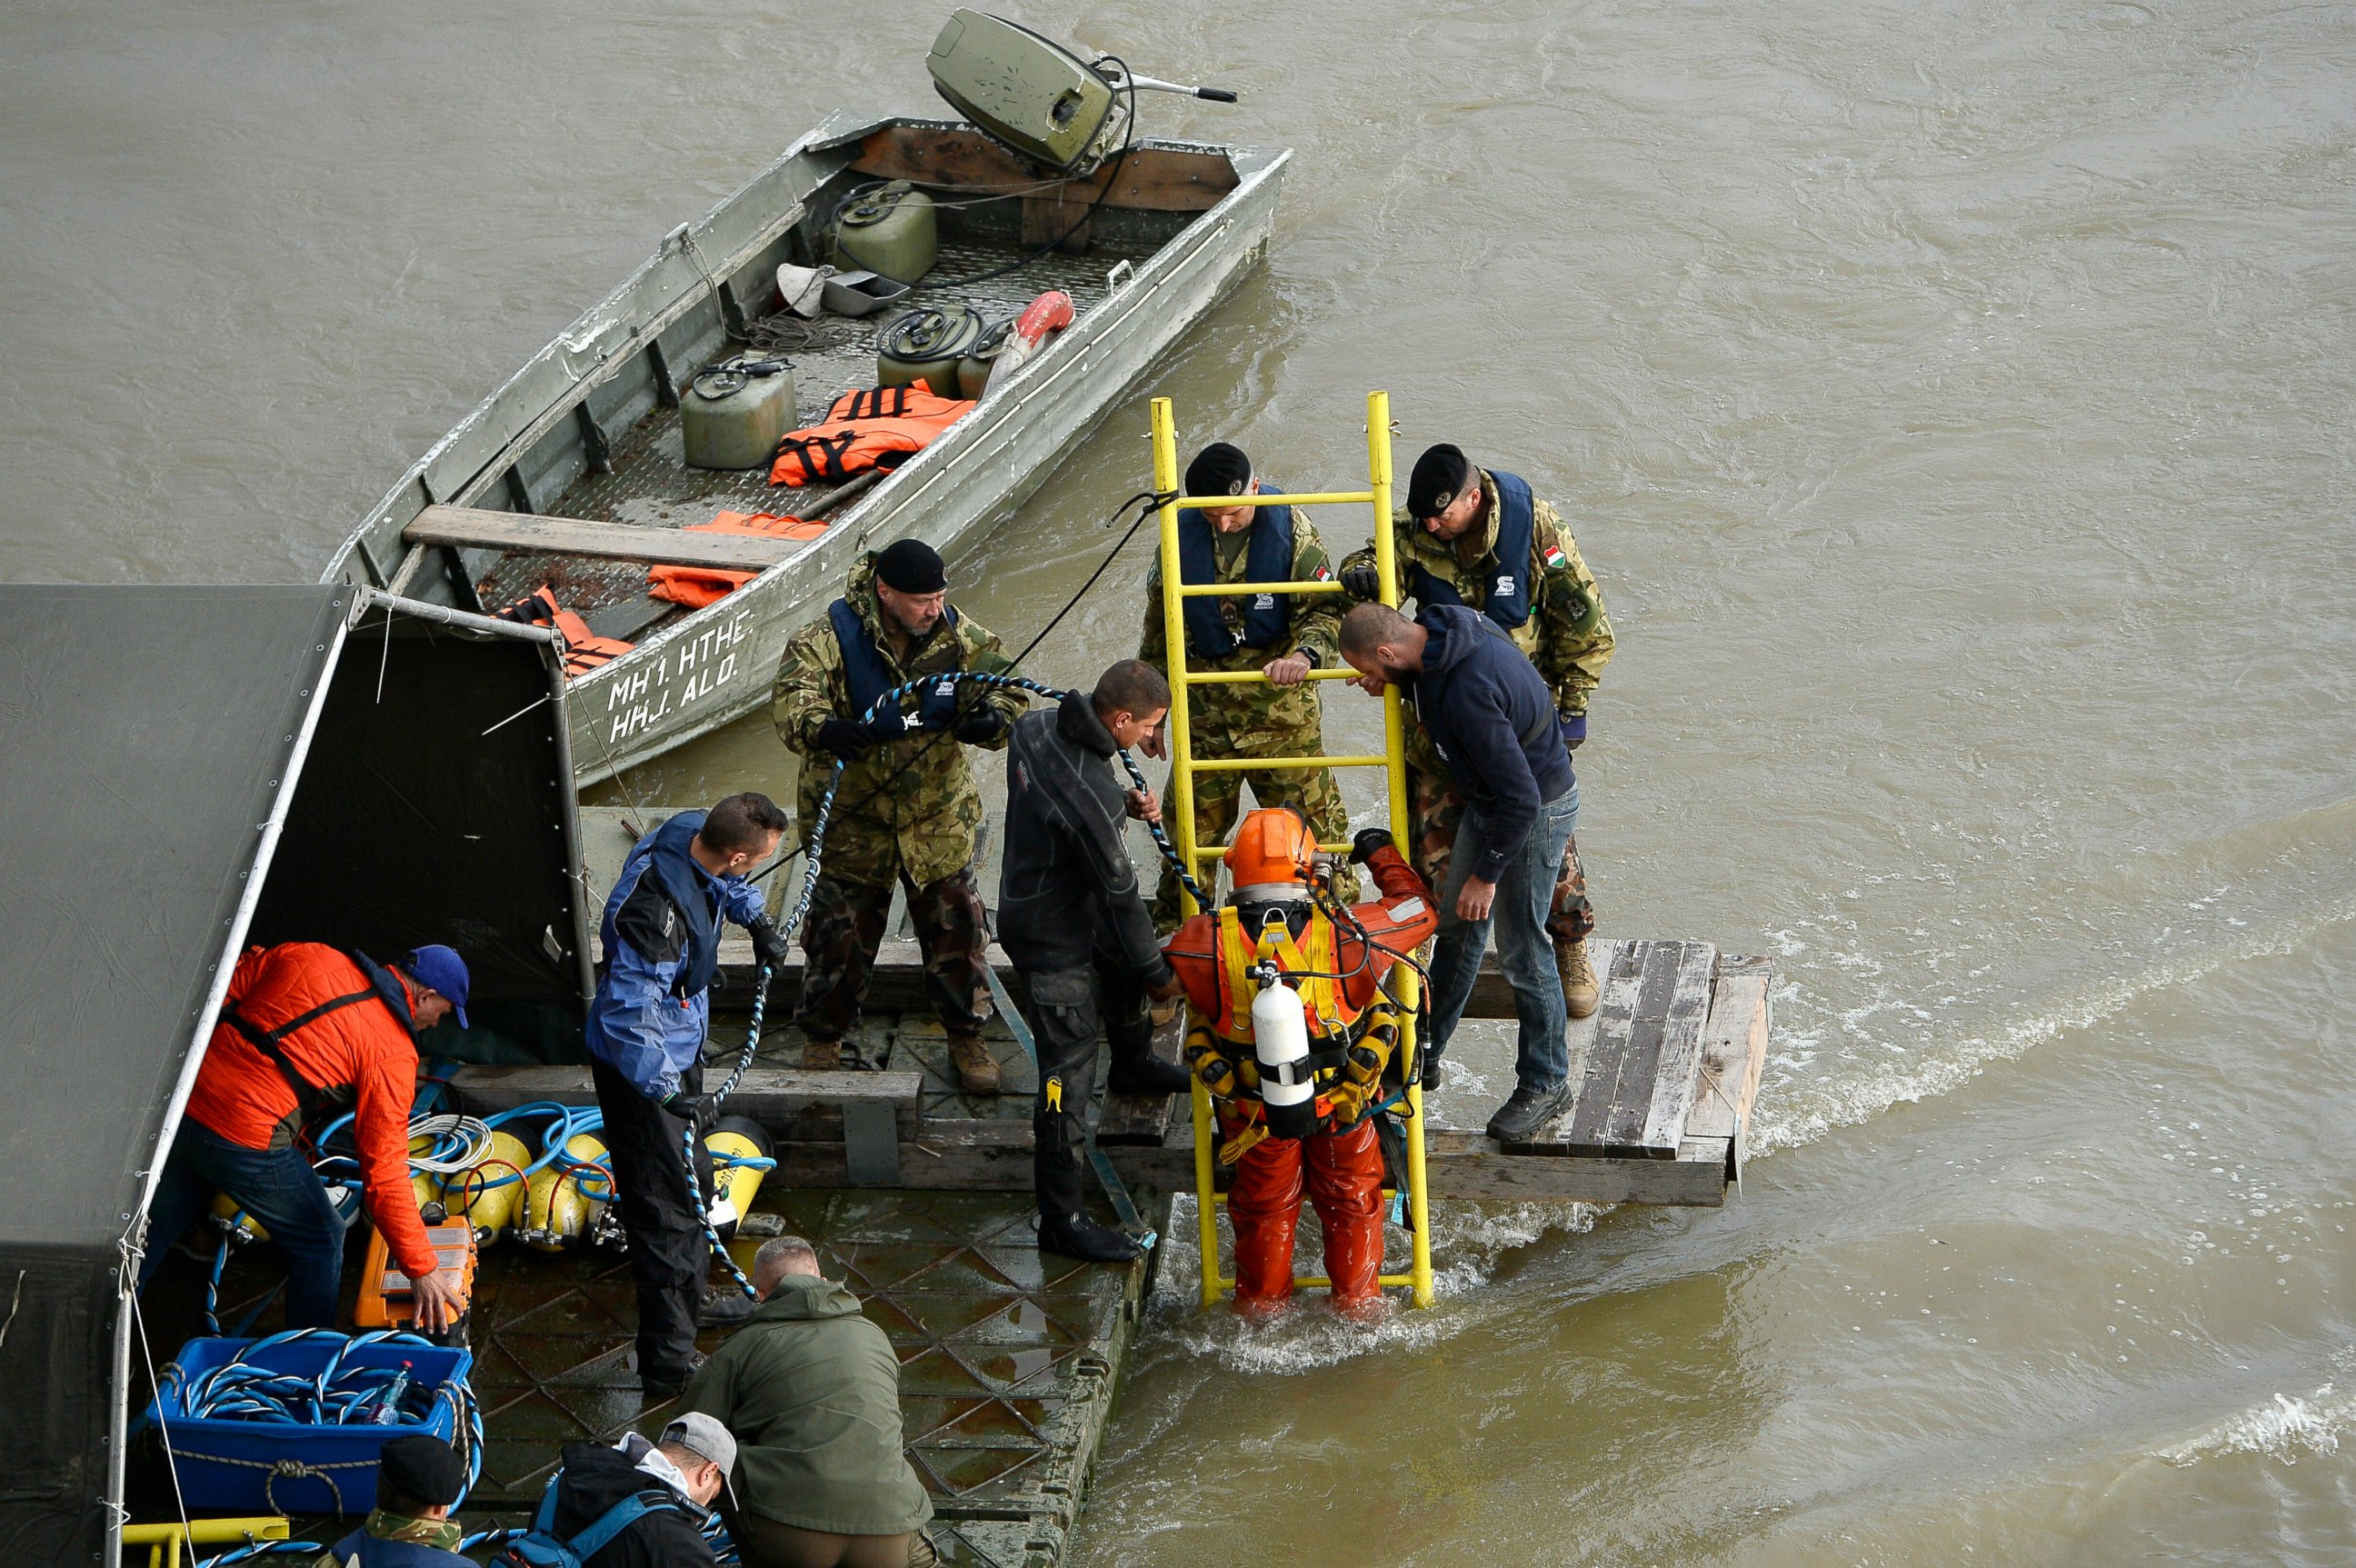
(646, 1034)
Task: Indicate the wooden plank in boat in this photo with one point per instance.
(1158, 179)
(1656, 1123)
(473, 529)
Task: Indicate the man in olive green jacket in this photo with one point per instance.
(811, 1390)
(908, 809)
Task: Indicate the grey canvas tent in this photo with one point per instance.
(185, 770)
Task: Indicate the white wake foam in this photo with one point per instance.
(2283, 1428)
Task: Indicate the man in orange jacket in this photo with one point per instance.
(1337, 967)
(307, 1031)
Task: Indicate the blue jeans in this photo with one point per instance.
(1524, 897)
(277, 1187)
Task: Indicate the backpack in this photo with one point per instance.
(541, 1547)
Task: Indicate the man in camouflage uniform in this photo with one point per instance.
(907, 808)
(1450, 545)
(1281, 635)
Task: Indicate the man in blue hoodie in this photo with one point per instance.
(646, 1034)
(1493, 720)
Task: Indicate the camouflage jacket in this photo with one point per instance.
(442, 1534)
(909, 805)
(1250, 718)
(1568, 636)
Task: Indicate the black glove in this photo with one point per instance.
(1369, 840)
(696, 1110)
(982, 725)
(846, 739)
(1573, 729)
(768, 945)
(1362, 581)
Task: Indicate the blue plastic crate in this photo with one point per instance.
(249, 1467)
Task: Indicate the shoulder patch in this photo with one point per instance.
(1555, 558)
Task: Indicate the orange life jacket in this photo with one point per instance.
(696, 586)
(881, 427)
(583, 650)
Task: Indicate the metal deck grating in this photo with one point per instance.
(651, 484)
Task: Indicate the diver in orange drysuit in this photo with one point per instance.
(1338, 967)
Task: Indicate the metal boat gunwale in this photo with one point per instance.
(700, 265)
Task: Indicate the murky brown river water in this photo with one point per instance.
(1955, 400)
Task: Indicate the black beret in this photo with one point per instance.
(912, 566)
(422, 1469)
(1218, 469)
(1438, 474)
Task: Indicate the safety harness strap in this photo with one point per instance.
(311, 1099)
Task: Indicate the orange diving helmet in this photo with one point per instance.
(1273, 856)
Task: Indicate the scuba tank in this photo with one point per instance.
(484, 1194)
(735, 1138)
(1280, 1045)
(926, 346)
(566, 1195)
(734, 412)
(889, 229)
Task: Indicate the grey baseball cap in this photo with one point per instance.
(701, 1434)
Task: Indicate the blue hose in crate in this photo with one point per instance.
(242, 1411)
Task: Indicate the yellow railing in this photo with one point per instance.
(1184, 765)
(164, 1542)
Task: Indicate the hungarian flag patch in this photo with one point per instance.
(1555, 559)
(1323, 576)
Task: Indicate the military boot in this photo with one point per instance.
(820, 1054)
(1579, 991)
(977, 1070)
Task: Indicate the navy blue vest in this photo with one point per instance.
(666, 850)
(870, 677)
(1267, 559)
(1508, 599)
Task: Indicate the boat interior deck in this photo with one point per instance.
(648, 484)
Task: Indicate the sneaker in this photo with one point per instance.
(819, 1055)
(1527, 1112)
(661, 1387)
(1579, 991)
(977, 1070)
(723, 1308)
(1147, 1075)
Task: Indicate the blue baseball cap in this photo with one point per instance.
(440, 969)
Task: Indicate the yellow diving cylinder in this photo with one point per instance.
(564, 1201)
(232, 1217)
(478, 1193)
(734, 1137)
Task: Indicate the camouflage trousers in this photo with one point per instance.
(1434, 811)
(844, 928)
(1218, 799)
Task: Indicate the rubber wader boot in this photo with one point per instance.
(723, 1306)
(977, 1070)
(1135, 1068)
(1579, 991)
(821, 1055)
(1064, 1224)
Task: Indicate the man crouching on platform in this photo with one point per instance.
(1073, 918)
(908, 809)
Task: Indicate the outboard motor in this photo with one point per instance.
(1035, 98)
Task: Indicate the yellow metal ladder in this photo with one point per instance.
(1401, 985)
